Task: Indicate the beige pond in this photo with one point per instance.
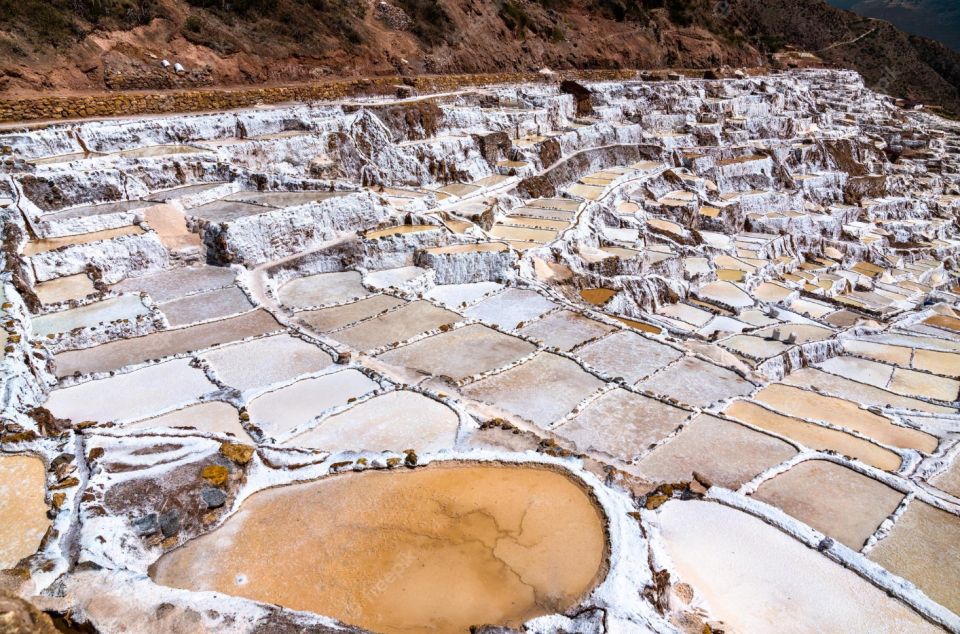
(65, 288)
(859, 392)
(395, 326)
(22, 507)
(49, 244)
(400, 229)
(949, 480)
(801, 403)
(326, 319)
(814, 436)
(727, 453)
(730, 275)
(922, 548)
(473, 247)
(431, 550)
(833, 499)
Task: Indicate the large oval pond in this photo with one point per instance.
(434, 549)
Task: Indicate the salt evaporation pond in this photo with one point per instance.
(22, 507)
(436, 549)
(756, 578)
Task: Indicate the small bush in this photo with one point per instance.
(682, 12)
(428, 20)
(193, 24)
(516, 19)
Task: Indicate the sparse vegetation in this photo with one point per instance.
(515, 18)
(325, 32)
(429, 20)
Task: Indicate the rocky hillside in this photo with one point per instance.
(85, 45)
(936, 19)
(890, 60)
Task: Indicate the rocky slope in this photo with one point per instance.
(936, 19)
(122, 44)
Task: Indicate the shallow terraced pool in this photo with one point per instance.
(437, 549)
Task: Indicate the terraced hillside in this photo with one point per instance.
(645, 356)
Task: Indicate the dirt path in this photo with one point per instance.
(844, 43)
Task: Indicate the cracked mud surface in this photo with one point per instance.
(497, 544)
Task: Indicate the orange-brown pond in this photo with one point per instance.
(597, 296)
(436, 549)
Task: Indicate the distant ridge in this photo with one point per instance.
(936, 19)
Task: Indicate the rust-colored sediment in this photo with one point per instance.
(436, 549)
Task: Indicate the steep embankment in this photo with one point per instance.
(84, 45)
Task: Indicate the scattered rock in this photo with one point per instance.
(149, 524)
(215, 474)
(170, 523)
(213, 497)
(18, 616)
(240, 454)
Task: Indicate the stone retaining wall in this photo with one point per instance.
(137, 103)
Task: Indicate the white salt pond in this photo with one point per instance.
(456, 295)
(510, 308)
(622, 424)
(174, 283)
(116, 308)
(628, 355)
(322, 289)
(755, 578)
(540, 390)
(133, 395)
(259, 363)
(394, 421)
(460, 353)
(213, 417)
(399, 277)
(565, 329)
(281, 410)
(205, 306)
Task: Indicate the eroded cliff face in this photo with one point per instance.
(555, 367)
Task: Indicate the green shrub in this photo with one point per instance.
(193, 24)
